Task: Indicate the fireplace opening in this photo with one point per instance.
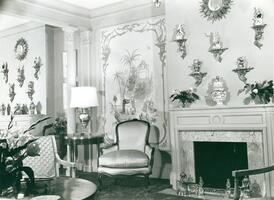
(214, 161)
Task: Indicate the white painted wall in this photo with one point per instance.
(236, 33)
(35, 37)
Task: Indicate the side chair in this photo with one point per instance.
(46, 165)
(131, 153)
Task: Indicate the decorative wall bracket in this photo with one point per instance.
(217, 53)
(5, 71)
(242, 73)
(179, 38)
(258, 26)
(11, 92)
(30, 90)
(242, 68)
(216, 46)
(21, 76)
(196, 73)
(37, 65)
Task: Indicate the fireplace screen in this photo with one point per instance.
(214, 161)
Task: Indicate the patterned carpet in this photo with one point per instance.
(130, 188)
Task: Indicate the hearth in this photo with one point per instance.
(214, 162)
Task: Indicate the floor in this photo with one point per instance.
(130, 188)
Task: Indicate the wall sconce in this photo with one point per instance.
(83, 98)
(157, 3)
(30, 90)
(179, 38)
(258, 26)
(5, 71)
(216, 46)
(21, 76)
(196, 73)
(11, 92)
(242, 68)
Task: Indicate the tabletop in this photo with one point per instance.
(84, 139)
(67, 188)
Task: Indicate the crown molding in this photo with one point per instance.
(20, 29)
(124, 12)
(52, 13)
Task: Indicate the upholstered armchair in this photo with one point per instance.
(130, 154)
(46, 165)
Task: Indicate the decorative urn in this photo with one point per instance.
(218, 93)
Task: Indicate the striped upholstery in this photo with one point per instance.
(44, 166)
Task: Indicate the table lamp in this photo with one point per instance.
(83, 98)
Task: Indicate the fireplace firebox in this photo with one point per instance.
(214, 161)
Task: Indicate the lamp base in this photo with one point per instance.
(84, 118)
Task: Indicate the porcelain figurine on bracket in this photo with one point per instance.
(30, 90)
(216, 46)
(258, 26)
(21, 76)
(11, 92)
(37, 65)
(242, 68)
(5, 71)
(196, 73)
(180, 39)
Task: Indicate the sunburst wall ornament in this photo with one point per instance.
(215, 10)
(21, 49)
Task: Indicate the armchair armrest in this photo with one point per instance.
(149, 150)
(66, 164)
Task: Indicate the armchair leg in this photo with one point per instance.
(147, 179)
(100, 182)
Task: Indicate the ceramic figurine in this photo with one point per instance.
(11, 92)
(258, 17)
(24, 109)
(37, 65)
(30, 90)
(21, 76)
(180, 33)
(5, 71)
(2, 109)
(201, 187)
(17, 109)
(32, 108)
(227, 189)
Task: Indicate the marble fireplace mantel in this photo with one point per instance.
(203, 124)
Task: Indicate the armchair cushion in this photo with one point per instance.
(124, 159)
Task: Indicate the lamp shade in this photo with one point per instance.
(83, 97)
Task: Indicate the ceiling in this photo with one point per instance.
(91, 4)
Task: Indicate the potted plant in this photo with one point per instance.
(15, 146)
(58, 128)
(186, 97)
(260, 93)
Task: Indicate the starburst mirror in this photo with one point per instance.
(215, 10)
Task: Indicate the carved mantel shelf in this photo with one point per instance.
(235, 119)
